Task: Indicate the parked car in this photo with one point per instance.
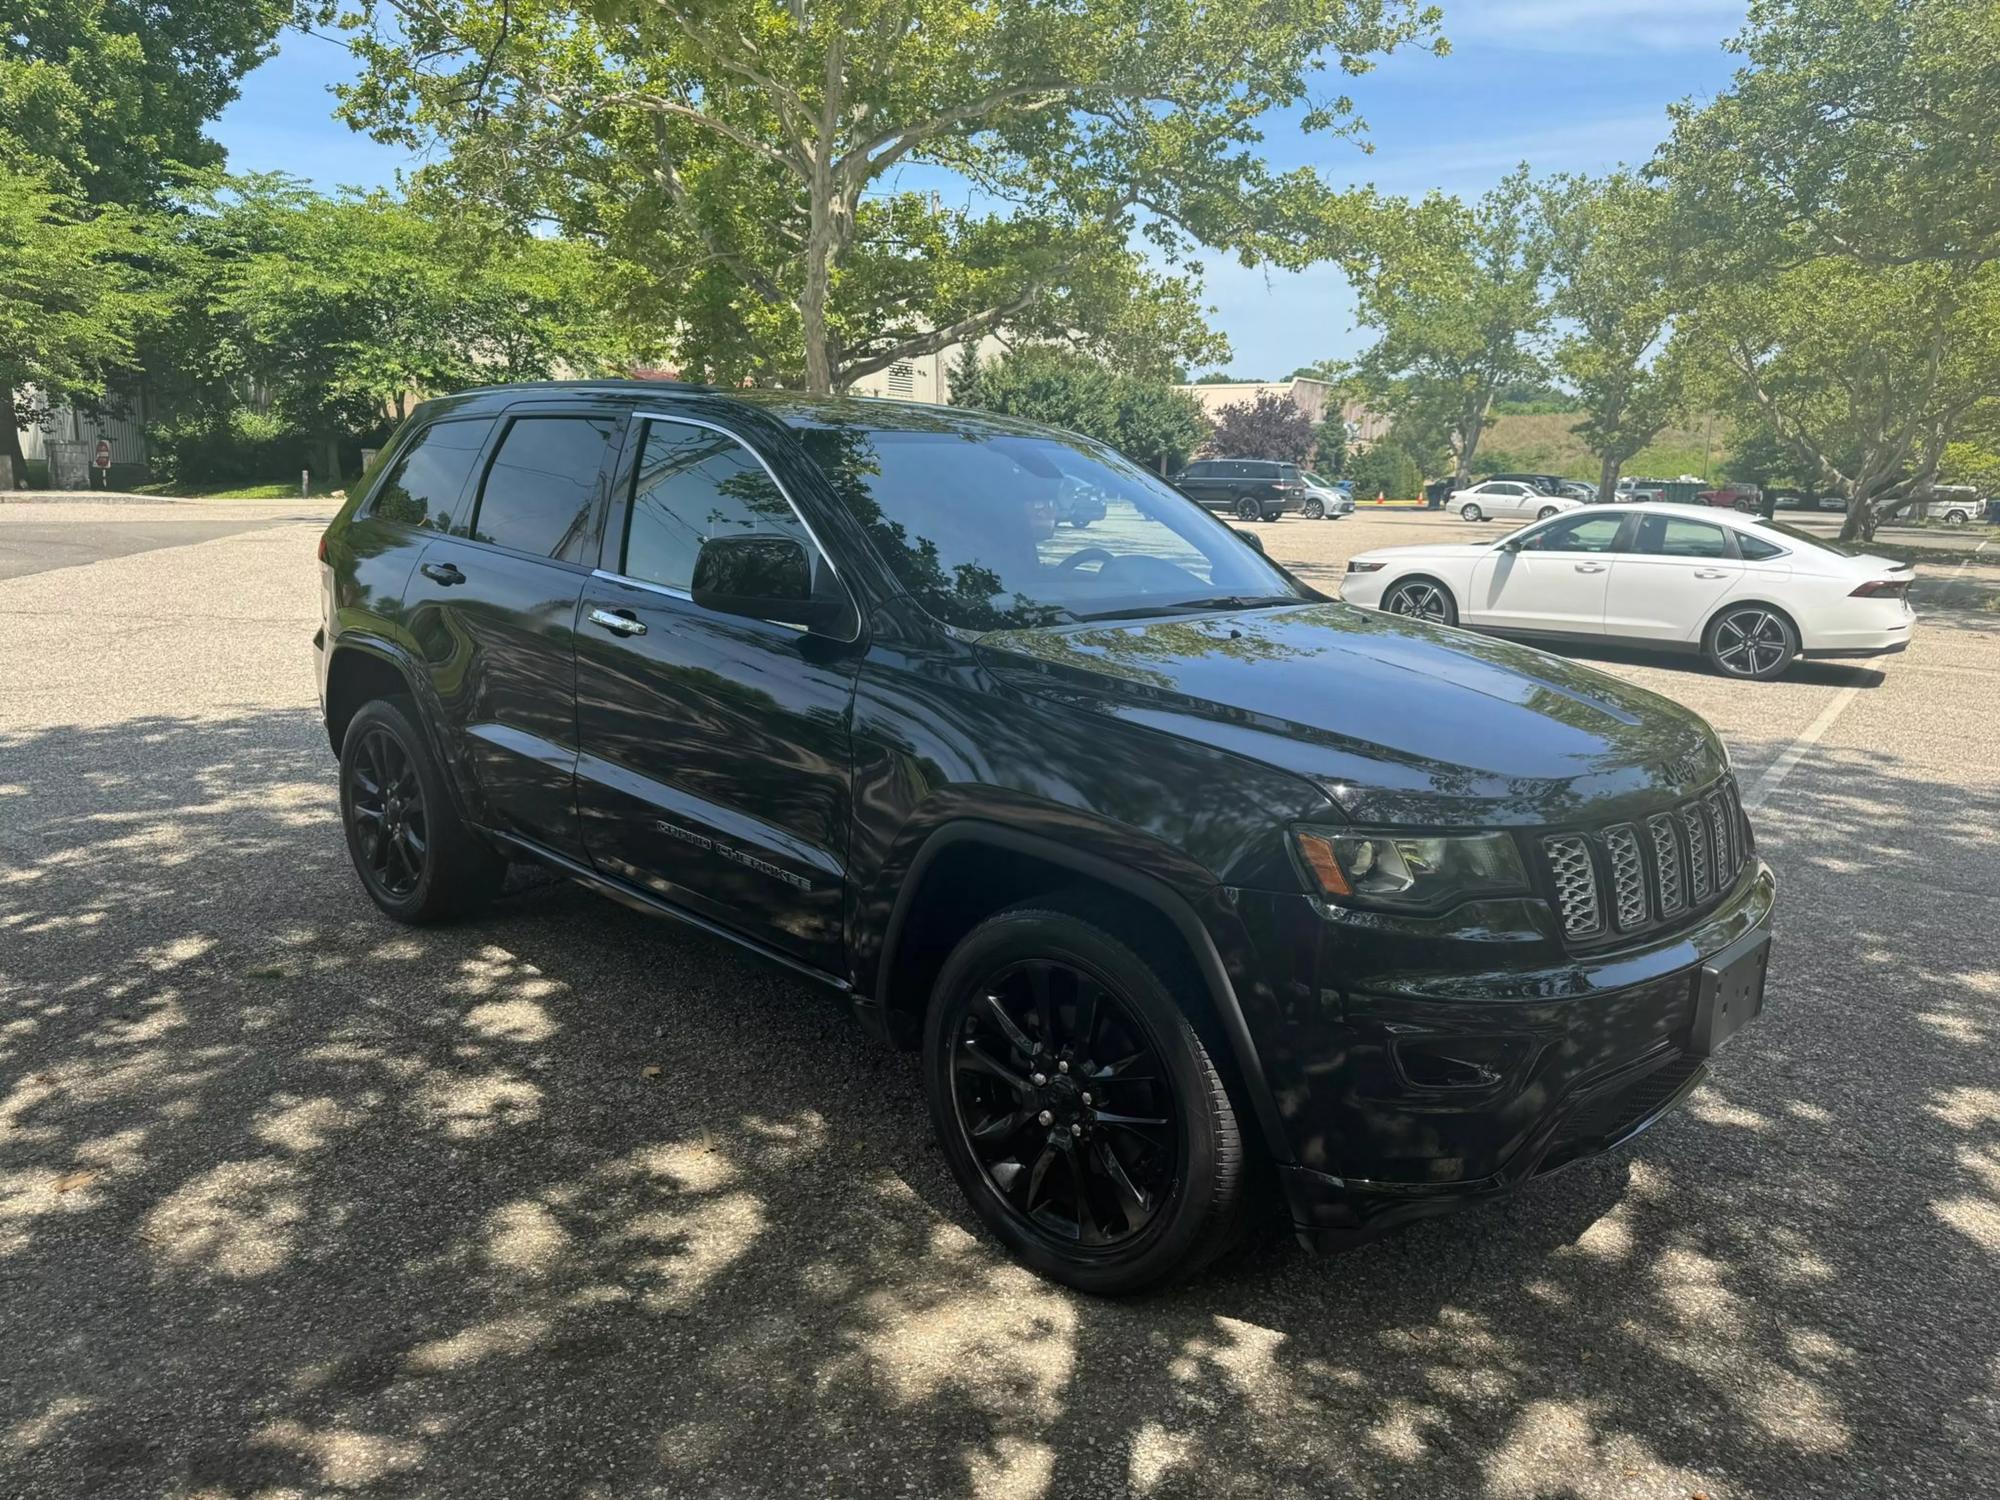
(1743, 497)
(1250, 489)
(1581, 491)
(1752, 595)
(1547, 484)
(1182, 877)
(1078, 504)
(1630, 488)
(1326, 498)
(1506, 499)
(1957, 505)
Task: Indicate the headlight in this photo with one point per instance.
(1355, 566)
(1408, 872)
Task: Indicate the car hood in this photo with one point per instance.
(1398, 722)
(1432, 550)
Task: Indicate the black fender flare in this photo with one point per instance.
(417, 681)
(1155, 893)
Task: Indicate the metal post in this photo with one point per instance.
(305, 484)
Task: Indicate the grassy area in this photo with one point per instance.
(1546, 442)
(276, 491)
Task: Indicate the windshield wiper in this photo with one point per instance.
(1191, 606)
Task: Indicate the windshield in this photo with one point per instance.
(993, 531)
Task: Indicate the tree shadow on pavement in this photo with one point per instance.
(566, 1201)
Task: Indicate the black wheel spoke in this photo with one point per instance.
(1045, 1011)
(1148, 1128)
(1087, 995)
(1130, 1199)
(971, 1057)
(1088, 1230)
(1038, 1178)
(1127, 1070)
(996, 1012)
(1000, 1130)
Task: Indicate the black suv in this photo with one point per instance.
(1250, 489)
(1183, 877)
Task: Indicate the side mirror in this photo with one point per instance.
(764, 577)
(1251, 540)
(1509, 545)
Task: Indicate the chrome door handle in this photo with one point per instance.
(1710, 573)
(618, 624)
(1590, 567)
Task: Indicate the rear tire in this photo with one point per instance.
(1751, 641)
(1125, 1169)
(1471, 512)
(1248, 509)
(416, 858)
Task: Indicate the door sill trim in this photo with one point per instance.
(647, 902)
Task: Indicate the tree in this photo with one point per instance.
(70, 302)
(1386, 470)
(1146, 420)
(1611, 263)
(1864, 373)
(732, 151)
(110, 98)
(1272, 426)
(1329, 455)
(1456, 294)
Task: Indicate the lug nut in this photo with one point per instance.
(1086, 1099)
(1076, 1130)
(1045, 1118)
(1039, 1080)
(1063, 1065)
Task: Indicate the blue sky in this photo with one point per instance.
(1565, 85)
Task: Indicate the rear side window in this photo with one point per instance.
(1670, 536)
(540, 494)
(694, 483)
(428, 480)
(1756, 549)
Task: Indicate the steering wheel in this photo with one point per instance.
(1081, 556)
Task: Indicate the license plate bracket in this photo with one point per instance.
(1730, 993)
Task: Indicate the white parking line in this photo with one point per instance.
(1795, 752)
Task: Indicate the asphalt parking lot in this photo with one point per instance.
(566, 1202)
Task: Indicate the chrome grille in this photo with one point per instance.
(1667, 864)
(1628, 877)
(1576, 885)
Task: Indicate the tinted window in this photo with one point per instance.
(968, 521)
(1670, 536)
(1198, 471)
(693, 484)
(424, 487)
(541, 489)
(1756, 548)
(1591, 533)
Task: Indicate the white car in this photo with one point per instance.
(1507, 500)
(1751, 595)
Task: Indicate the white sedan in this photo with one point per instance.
(1507, 499)
(1751, 595)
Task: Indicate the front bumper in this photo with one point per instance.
(1414, 1073)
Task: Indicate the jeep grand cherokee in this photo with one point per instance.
(1182, 876)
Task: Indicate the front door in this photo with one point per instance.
(1676, 573)
(1553, 579)
(494, 615)
(715, 749)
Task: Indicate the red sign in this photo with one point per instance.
(102, 459)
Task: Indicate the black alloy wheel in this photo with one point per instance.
(1752, 641)
(1314, 509)
(1247, 509)
(415, 856)
(1077, 1106)
(1421, 599)
(385, 804)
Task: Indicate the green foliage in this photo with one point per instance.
(1387, 470)
(1456, 295)
(1973, 463)
(109, 98)
(1147, 420)
(729, 152)
(1329, 455)
(1272, 426)
(1612, 265)
(203, 448)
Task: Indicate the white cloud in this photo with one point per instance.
(1595, 26)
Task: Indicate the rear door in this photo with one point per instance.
(1200, 481)
(494, 614)
(1667, 585)
(715, 764)
(1555, 581)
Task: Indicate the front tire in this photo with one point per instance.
(1545, 512)
(417, 860)
(1123, 1169)
(1314, 509)
(1421, 599)
(1751, 641)
(1248, 509)
(1471, 512)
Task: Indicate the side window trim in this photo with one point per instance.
(475, 477)
(636, 441)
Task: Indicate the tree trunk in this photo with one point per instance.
(819, 274)
(1607, 479)
(10, 440)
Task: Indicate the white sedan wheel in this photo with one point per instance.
(1471, 512)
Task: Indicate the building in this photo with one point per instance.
(65, 425)
(1364, 426)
